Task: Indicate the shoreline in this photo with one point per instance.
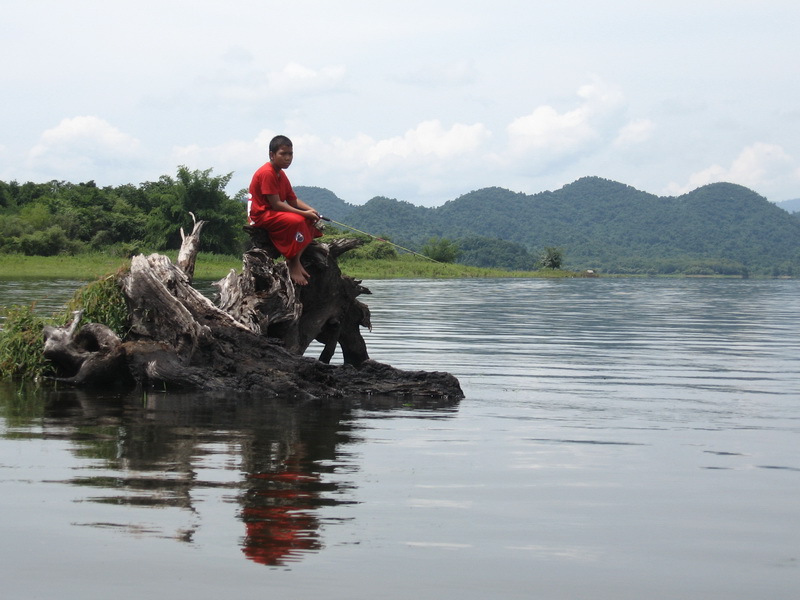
(90, 267)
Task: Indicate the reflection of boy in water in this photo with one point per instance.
(277, 527)
(275, 207)
(283, 486)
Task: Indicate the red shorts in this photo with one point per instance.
(290, 232)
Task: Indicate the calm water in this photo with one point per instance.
(619, 439)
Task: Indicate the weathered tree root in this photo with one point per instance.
(252, 342)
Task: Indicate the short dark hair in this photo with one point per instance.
(278, 141)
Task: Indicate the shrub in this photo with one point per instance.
(375, 250)
(102, 301)
(47, 242)
(21, 343)
(21, 340)
(441, 250)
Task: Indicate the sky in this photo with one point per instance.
(422, 101)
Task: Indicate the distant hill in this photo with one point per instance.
(325, 201)
(600, 224)
(791, 206)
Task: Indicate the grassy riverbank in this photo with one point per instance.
(88, 267)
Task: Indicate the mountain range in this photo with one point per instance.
(791, 206)
(599, 224)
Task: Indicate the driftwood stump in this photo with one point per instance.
(253, 340)
(264, 299)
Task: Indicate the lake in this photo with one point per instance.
(619, 439)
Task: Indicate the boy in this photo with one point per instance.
(275, 207)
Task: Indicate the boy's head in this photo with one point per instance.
(277, 142)
(281, 152)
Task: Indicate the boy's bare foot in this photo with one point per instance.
(297, 273)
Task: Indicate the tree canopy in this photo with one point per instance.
(65, 218)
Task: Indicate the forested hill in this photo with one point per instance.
(792, 206)
(592, 223)
(599, 224)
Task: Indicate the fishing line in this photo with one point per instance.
(375, 237)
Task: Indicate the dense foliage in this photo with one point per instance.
(592, 223)
(65, 218)
(441, 250)
(489, 252)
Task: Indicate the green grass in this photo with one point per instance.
(86, 267)
(412, 267)
(102, 301)
(21, 343)
(90, 267)
(213, 266)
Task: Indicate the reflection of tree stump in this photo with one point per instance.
(252, 341)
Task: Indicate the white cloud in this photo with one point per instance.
(550, 135)
(426, 144)
(293, 78)
(758, 166)
(223, 158)
(546, 129)
(83, 147)
(358, 166)
(86, 131)
(634, 133)
(429, 140)
(419, 166)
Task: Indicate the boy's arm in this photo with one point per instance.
(303, 206)
(298, 206)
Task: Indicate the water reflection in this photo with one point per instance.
(280, 463)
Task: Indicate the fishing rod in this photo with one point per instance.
(375, 237)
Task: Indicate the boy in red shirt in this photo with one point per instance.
(275, 207)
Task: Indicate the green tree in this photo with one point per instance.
(551, 258)
(204, 196)
(36, 215)
(441, 250)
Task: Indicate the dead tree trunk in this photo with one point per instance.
(190, 246)
(252, 341)
(264, 299)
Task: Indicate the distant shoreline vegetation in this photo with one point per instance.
(90, 267)
(592, 224)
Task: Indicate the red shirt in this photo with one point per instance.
(268, 180)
